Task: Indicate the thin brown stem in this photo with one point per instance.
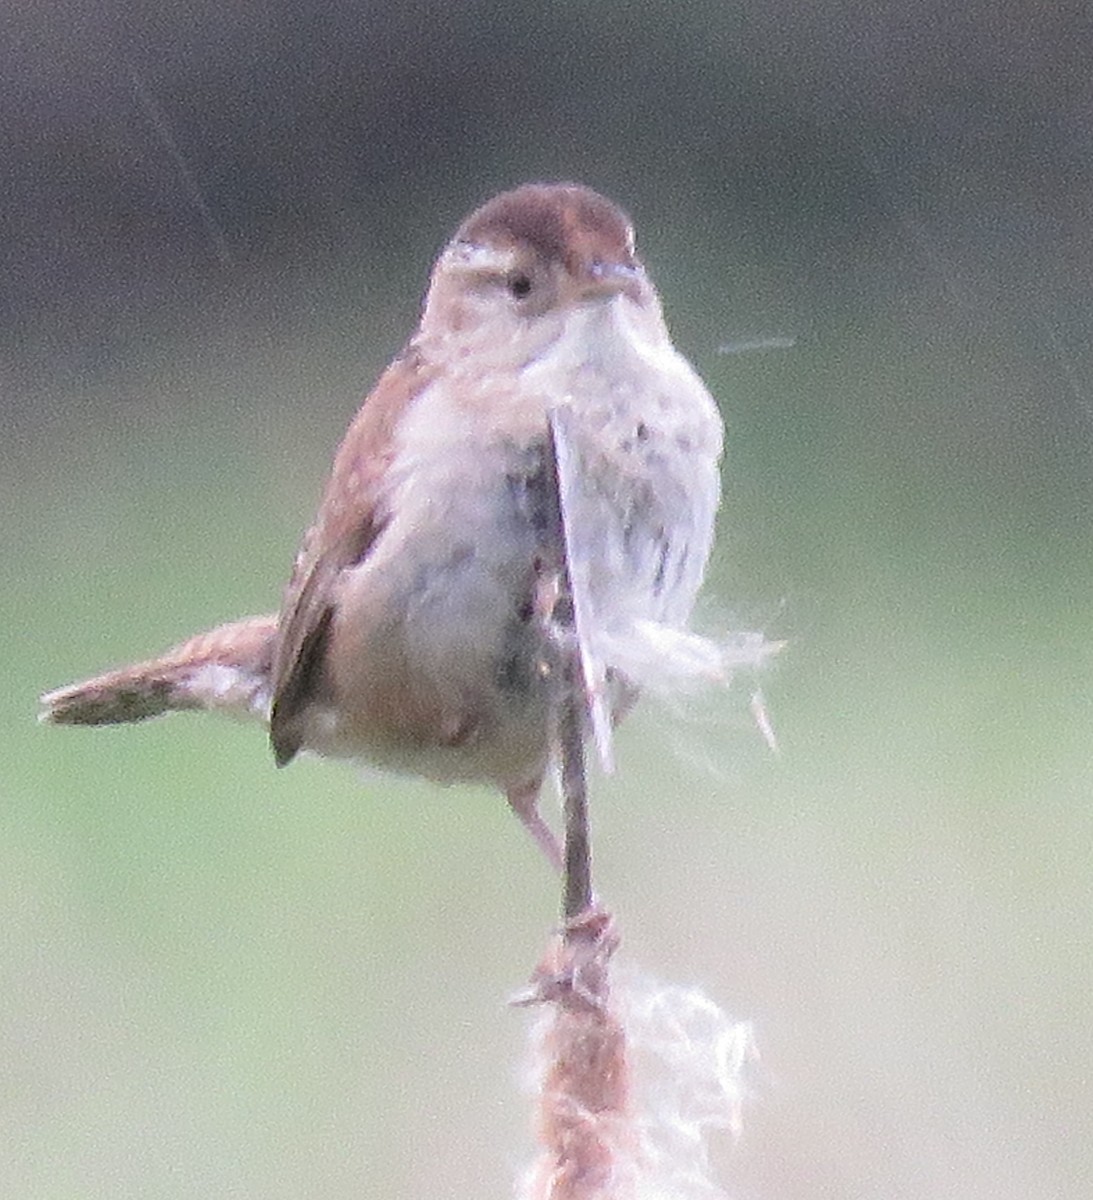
(577, 886)
(572, 715)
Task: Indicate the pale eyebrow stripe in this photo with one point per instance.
(472, 256)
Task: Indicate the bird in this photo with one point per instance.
(409, 636)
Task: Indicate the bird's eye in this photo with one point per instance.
(519, 286)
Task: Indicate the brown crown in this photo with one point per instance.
(561, 222)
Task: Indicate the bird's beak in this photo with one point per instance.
(599, 279)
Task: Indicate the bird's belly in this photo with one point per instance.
(440, 665)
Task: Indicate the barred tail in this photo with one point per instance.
(225, 669)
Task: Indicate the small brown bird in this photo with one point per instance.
(408, 636)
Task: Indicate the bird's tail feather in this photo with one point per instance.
(225, 669)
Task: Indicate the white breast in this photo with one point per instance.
(455, 562)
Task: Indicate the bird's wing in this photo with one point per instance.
(351, 517)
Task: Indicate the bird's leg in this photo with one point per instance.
(524, 802)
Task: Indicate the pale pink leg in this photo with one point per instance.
(524, 802)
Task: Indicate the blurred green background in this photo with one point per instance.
(216, 222)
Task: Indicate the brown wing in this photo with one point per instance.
(350, 519)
